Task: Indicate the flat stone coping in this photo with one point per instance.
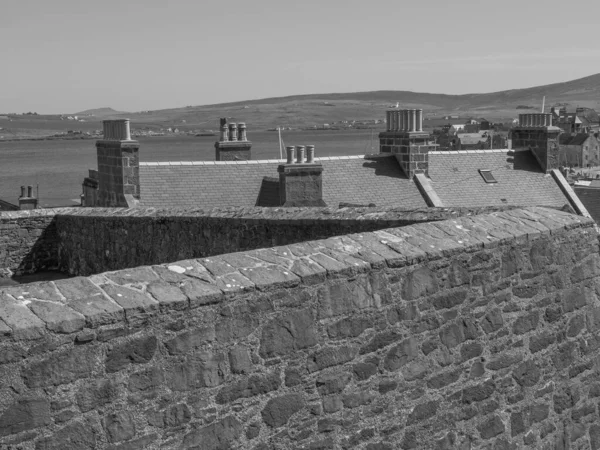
(120, 297)
(349, 213)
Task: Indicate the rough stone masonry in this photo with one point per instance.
(475, 332)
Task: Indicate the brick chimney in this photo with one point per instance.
(233, 144)
(535, 132)
(118, 166)
(27, 200)
(406, 139)
(89, 196)
(300, 179)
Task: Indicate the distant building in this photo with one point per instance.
(580, 150)
(583, 120)
(472, 141)
(456, 128)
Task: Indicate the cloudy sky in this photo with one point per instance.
(131, 55)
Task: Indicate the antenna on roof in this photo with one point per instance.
(543, 104)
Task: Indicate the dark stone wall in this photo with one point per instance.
(28, 242)
(93, 241)
(478, 332)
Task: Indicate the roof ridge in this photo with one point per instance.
(462, 152)
(252, 161)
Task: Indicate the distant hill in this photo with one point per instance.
(316, 109)
(100, 112)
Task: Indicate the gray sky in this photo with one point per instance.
(131, 55)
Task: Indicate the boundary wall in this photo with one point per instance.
(476, 332)
(83, 241)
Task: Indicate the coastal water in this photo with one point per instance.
(57, 167)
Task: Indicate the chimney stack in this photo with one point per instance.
(406, 139)
(27, 200)
(233, 144)
(535, 132)
(118, 166)
(301, 182)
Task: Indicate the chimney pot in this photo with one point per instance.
(224, 137)
(22, 191)
(290, 152)
(242, 132)
(29, 191)
(233, 132)
(299, 154)
(310, 154)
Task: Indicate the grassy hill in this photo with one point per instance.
(316, 109)
(307, 110)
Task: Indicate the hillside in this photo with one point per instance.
(99, 112)
(307, 110)
(300, 111)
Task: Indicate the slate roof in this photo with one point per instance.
(209, 184)
(590, 197)
(578, 139)
(456, 179)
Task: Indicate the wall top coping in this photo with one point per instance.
(327, 214)
(28, 312)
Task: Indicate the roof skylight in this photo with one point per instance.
(487, 176)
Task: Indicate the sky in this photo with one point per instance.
(65, 56)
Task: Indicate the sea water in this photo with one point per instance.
(56, 168)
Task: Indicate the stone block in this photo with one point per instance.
(491, 427)
(201, 370)
(365, 370)
(168, 296)
(119, 426)
(478, 392)
(347, 298)
(422, 412)
(237, 328)
(351, 327)
(401, 354)
(332, 382)
(279, 410)
(239, 360)
(25, 414)
(252, 386)
(58, 317)
(95, 394)
(525, 324)
(220, 435)
(133, 302)
(527, 374)
(22, 322)
(419, 283)
(146, 380)
(330, 356)
(449, 300)
(289, 332)
(270, 277)
(135, 351)
(60, 368)
(190, 340)
(78, 435)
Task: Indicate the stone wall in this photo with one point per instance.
(28, 241)
(477, 332)
(96, 240)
